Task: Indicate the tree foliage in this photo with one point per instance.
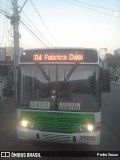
(113, 61)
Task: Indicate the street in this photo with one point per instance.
(110, 134)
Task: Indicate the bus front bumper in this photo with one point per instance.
(92, 138)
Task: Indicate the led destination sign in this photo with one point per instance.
(58, 57)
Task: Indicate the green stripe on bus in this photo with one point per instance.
(57, 121)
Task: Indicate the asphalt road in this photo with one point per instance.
(110, 135)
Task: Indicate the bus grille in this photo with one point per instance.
(57, 121)
(55, 138)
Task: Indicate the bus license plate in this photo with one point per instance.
(39, 105)
(69, 106)
(87, 138)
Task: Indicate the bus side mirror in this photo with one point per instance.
(105, 78)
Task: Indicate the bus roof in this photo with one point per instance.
(61, 48)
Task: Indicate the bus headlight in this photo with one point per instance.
(87, 128)
(90, 128)
(25, 124)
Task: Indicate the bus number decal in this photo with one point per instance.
(39, 105)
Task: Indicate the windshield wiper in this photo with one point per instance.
(71, 71)
(44, 73)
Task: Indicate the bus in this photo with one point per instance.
(59, 95)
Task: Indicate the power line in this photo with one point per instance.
(37, 29)
(96, 6)
(90, 9)
(6, 25)
(1, 10)
(6, 12)
(6, 7)
(3, 4)
(9, 16)
(3, 34)
(44, 22)
(39, 15)
(22, 6)
(34, 34)
(10, 33)
(28, 25)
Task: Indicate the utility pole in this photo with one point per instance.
(15, 22)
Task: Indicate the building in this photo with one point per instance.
(9, 53)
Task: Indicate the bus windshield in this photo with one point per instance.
(63, 87)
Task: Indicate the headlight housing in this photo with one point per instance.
(90, 127)
(25, 124)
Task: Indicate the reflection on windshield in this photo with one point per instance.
(65, 87)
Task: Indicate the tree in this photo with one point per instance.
(113, 61)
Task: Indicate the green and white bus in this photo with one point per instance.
(59, 95)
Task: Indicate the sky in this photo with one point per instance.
(64, 23)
